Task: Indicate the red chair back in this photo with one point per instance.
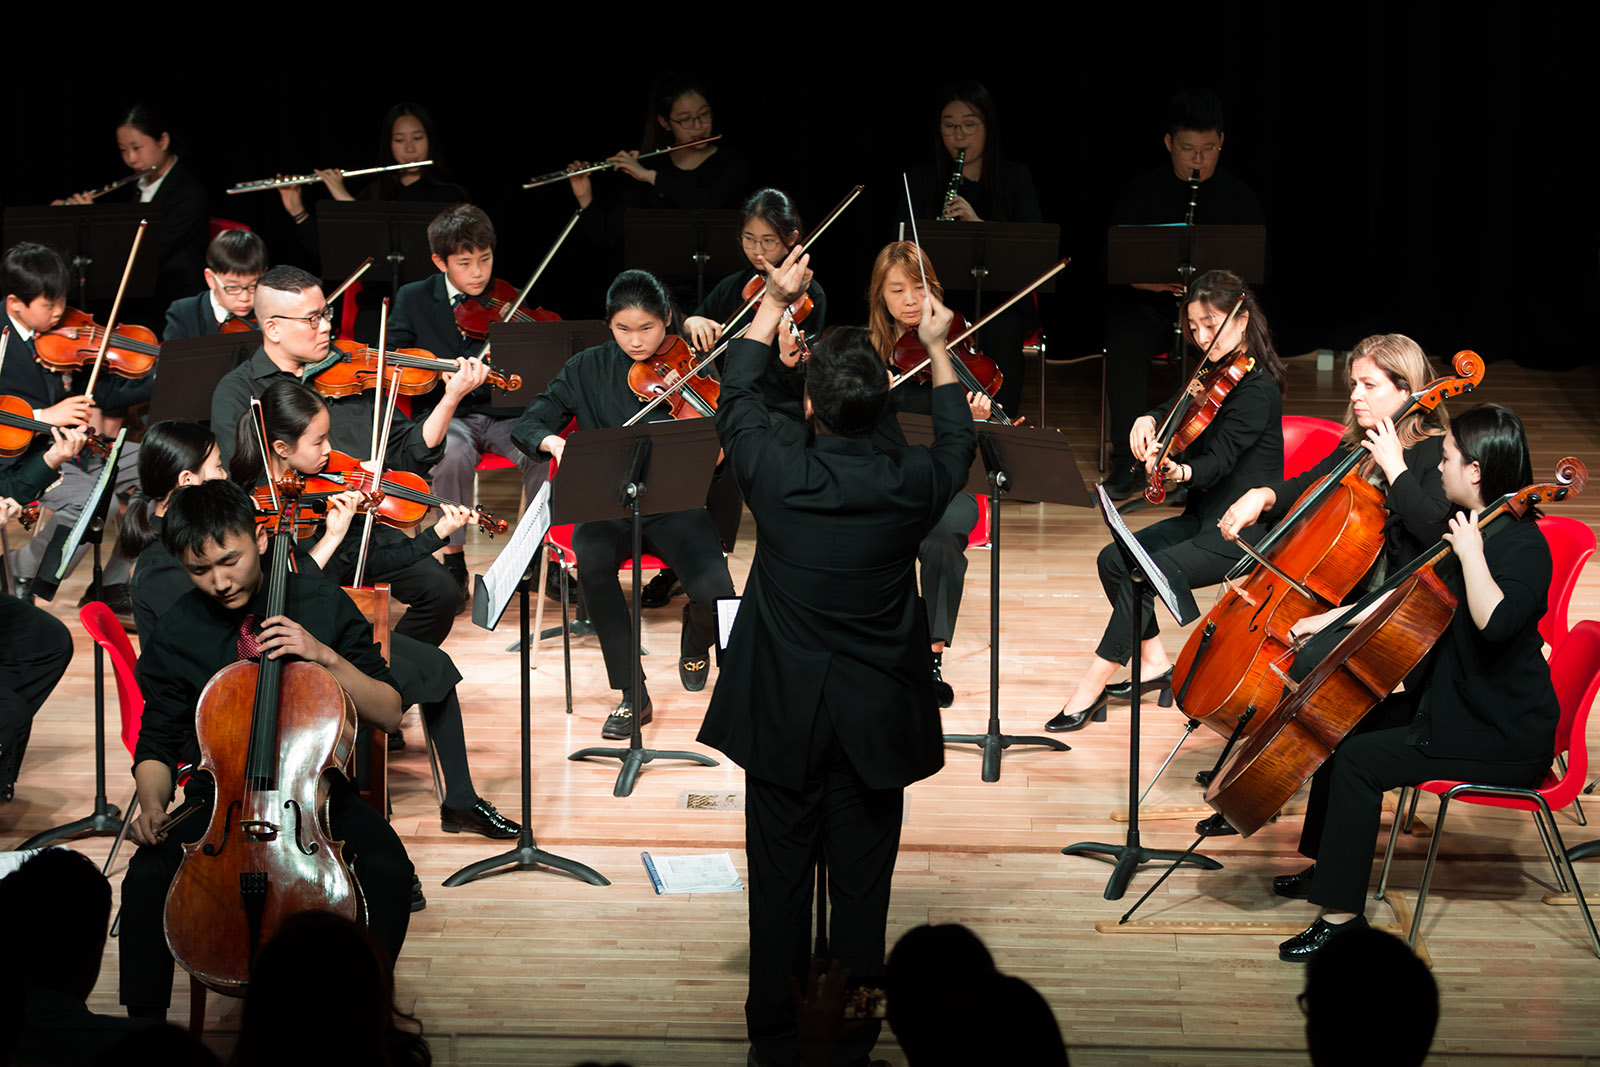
(218, 225)
(979, 535)
(1575, 673)
(109, 635)
(1307, 441)
(1571, 544)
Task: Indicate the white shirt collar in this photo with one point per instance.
(148, 187)
(450, 291)
(19, 332)
(218, 312)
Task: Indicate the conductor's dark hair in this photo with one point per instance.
(639, 289)
(1194, 109)
(1348, 1016)
(1492, 437)
(663, 94)
(170, 448)
(206, 514)
(67, 904)
(773, 207)
(846, 382)
(975, 95)
(237, 252)
(30, 270)
(286, 279)
(460, 228)
(145, 119)
(287, 407)
(1219, 290)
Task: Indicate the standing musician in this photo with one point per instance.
(1482, 709)
(593, 388)
(1242, 447)
(211, 530)
(825, 699)
(235, 261)
(294, 334)
(462, 241)
(898, 302)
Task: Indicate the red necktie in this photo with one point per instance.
(248, 647)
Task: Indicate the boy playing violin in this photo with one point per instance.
(235, 259)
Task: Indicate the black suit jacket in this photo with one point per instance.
(191, 317)
(185, 229)
(422, 318)
(830, 622)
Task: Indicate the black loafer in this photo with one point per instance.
(1308, 942)
(657, 592)
(1065, 722)
(1161, 683)
(481, 818)
(1295, 886)
(692, 671)
(941, 688)
(619, 724)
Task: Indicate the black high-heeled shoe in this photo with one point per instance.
(1161, 682)
(1065, 722)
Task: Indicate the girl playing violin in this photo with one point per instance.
(1242, 447)
(1483, 708)
(593, 389)
(897, 297)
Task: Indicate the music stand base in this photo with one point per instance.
(526, 854)
(105, 821)
(1131, 856)
(633, 761)
(994, 743)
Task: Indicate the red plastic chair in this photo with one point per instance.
(1307, 441)
(1571, 544)
(979, 537)
(1575, 672)
(218, 225)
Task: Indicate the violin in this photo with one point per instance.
(1206, 397)
(18, 428)
(476, 314)
(793, 315)
(982, 373)
(240, 325)
(660, 376)
(268, 853)
(400, 499)
(352, 367)
(1276, 758)
(75, 342)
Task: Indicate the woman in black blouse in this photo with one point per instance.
(1242, 447)
(1482, 708)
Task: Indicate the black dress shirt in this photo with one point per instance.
(592, 387)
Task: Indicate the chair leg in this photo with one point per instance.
(1577, 805)
(433, 760)
(1411, 812)
(197, 1007)
(1550, 851)
(129, 811)
(1427, 873)
(1388, 853)
(1572, 875)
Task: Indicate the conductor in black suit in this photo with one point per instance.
(824, 696)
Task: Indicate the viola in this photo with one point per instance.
(75, 342)
(267, 853)
(476, 314)
(793, 315)
(352, 367)
(1206, 398)
(660, 375)
(400, 499)
(240, 325)
(18, 428)
(981, 374)
(1414, 610)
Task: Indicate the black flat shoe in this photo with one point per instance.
(692, 672)
(1161, 683)
(619, 724)
(1295, 886)
(1065, 721)
(481, 818)
(1308, 942)
(657, 592)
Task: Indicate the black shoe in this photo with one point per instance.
(657, 592)
(115, 597)
(619, 724)
(456, 564)
(1161, 683)
(1308, 942)
(22, 589)
(397, 742)
(1065, 722)
(1214, 826)
(481, 818)
(941, 688)
(692, 672)
(1204, 777)
(1295, 886)
(1124, 483)
(418, 901)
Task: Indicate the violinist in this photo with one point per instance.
(897, 299)
(462, 241)
(1241, 447)
(593, 388)
(35, 280)
(294, 320)
(211, 530)
(1480, 708)
(235, 260)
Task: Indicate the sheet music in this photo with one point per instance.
(1152, 573)
(500, 580)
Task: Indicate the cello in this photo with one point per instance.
(1236, 659)
(1409, 614)
(267, 853)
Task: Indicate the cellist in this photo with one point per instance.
(1482, 709)
(211, 529)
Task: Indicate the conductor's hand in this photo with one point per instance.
(149, 827)
(282, 636)
(934, 329)
(789, 280)
(1142, 436)
(1246, 510)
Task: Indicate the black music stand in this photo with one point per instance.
(676, 243)
(537, 351)
(1130, 855)
(190, 370)
(511, 574)
(1039, 465)
(89, 529)
(990, 255)
(603, 476)
(349, 231)
(94, 240)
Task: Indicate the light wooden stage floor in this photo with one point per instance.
(536, 967)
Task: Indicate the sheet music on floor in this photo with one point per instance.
(1179, 600)
(710, 873)
(498, 584)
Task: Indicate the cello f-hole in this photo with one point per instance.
(299, 827)
(227, 831)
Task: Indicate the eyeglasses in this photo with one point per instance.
(970, 127)
(238, 290)
(766, 244)
(699, 118)
(315, 320)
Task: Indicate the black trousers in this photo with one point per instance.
(1138, 326)
(1346, 802)
(1170, 543)
(375, 854)
(857, 831)
(35, 649)
(430, 595)
(687, 542)
(943, 559)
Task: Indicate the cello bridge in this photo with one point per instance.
(1288, 683)
(260, 829)
(1238, 590)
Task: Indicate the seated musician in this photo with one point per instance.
(211, 530)
(462, 241)
(1481, 708)
(294, 322)
(593, 387)
(177, 454)
(235, 260)
(1241, 447)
